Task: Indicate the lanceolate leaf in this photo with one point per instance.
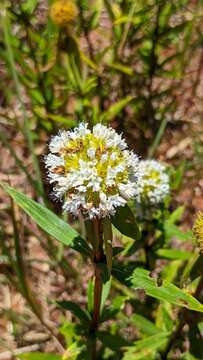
(48, 221)
(144, 325)
(125, 222)
(114, 109)
(75, 309)
(105, 293)
(142, 349)
(174, 254)
(166, 292)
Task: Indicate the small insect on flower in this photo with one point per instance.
(93, 171)
(63, 12)
(153, 182)
(198, 230)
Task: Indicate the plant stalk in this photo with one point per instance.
(97, 297)
(97, 242)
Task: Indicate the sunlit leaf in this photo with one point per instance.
(29, 6)
(174, 254)
(144, 325)
(115, 109)
(48, 221)
(142, 349)
(165, 292)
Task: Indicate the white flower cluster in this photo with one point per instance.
(93, 171)
(153, 182)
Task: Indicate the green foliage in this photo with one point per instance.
(166, 291)
(81, 314)
(144, 325)
(124, 220)
(48, 221)
(120, 63)
(146, 347)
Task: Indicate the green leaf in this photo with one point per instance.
(164, 315)
(111, 341)
(90, 295)
(122, 68)
(188, 356)
(125, 222)
(97, 8)
(171, 230)
(48, 221)
(75, 309)
(144, 325)
(173, 254)
(171, 270)
(105, 293)
(29, 6)
(62, 120)
(166, 292)
(122, 273)
(73, 351)
(142, 349)
(107, 230)
(115, 109)
(176, 215)
(39, 356)
(111, 311)
(36, 95)
(88, 61)
(176, 175)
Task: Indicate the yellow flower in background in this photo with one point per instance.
(198, 230)
(63, 12)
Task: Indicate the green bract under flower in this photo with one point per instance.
(198, 230)
(153, 182)
(93, 171)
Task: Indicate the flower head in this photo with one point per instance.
(198, 230)
(153, 182)
(63, 12)
(93, 171)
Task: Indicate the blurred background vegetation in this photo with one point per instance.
(134, 65)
